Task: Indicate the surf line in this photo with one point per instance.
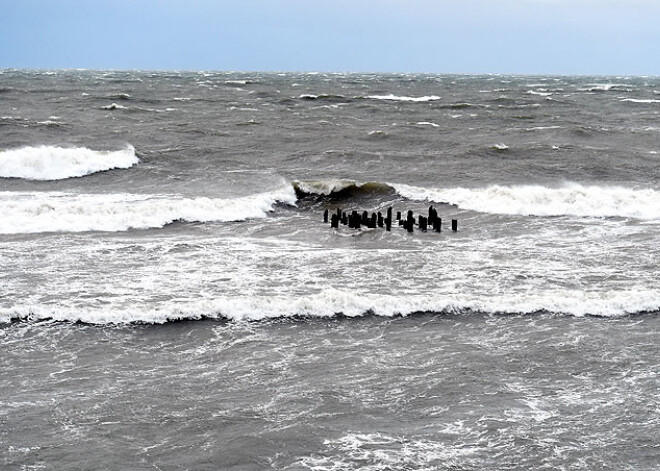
(355, 220)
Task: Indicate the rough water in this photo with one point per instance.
(170, 297)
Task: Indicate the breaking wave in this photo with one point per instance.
(67, 212)
(392, 97)
(535, 200)
(333, 302)
(57, 163)
(340, 188)
(636, 100)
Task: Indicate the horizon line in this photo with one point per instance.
(320, 72)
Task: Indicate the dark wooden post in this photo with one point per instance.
(437, 224)
(356, 220)
(325, 216)
(410, 221)
(454, 225)
(381, 221)
(334, 221)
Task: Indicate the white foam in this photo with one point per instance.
(535, 200)
(539, 93)
(542, 128)
(331, 302)
(379, 452)
(605, 87)
(67, 212)
(635, 100)
(56, 163)
(325, 187)
(114, 106)
(428, 123)
(404, 98)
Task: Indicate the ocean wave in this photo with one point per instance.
(605, 87)
(57, 163)
(535, 200)
(639, 100)
(340, 188)
(392, 97)
(332, 302)
(136, 109)
(329, 97)
(114, 106)
(36, 212)
(120, 96)
(542, 92)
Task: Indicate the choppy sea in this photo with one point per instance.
(171, 297)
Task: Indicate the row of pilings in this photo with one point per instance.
(355, 220)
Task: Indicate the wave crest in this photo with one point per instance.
(57, 163)
(535, 200)
(340, 188)
(67, 212)
(392, 97)
(333, 302)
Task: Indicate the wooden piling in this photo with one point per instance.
(334, 221)
(454, 225)
(410, 221)
(325, 216)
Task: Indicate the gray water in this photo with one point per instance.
(422, 392)
(170, 297)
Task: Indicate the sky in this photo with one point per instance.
(562, 37)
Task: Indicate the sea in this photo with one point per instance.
(171, 297)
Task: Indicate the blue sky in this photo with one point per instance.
(599, 37)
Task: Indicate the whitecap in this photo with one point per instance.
(331, 302)
(114, 106)
(69, 212)
(636, 100)
(404, 98)
(571, 199)
(57, 163)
